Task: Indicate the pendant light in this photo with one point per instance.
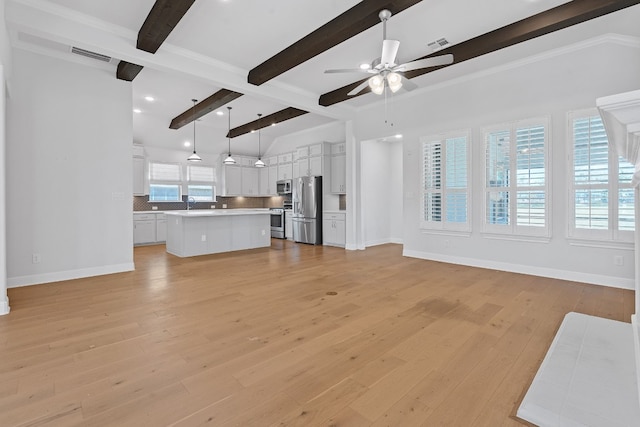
(194, 157)
(229, 160)
(259, 163)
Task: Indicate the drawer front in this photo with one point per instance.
(144, 217)
(335, 216)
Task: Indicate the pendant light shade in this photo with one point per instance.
(259, 163)
(395, 81)
(229, 160)
(194, 156)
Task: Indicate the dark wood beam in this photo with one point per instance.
(163, 18)
(360, 17)
(558, 18)
(127, 71)
(215, 101)
(277, 117)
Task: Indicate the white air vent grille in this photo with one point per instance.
(438, 44)
(89, 54)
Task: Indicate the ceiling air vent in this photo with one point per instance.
(438, 44)
(89, 54)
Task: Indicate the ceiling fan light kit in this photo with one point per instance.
(194, 156)
(386, 72)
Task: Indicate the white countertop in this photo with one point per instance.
(218, 212)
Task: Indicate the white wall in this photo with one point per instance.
(69, 168)
(381, 192)
(549, 85)
(331, 132)
(5, 66)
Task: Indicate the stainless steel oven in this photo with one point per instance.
(277, 223)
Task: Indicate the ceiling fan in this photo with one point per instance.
(386, 73)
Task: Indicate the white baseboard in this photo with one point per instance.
(635, 325)
(57, 276)
(574, 276)
(383, 241)
(4, 306)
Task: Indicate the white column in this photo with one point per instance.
(4, 299)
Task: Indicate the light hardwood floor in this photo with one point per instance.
(258, 338)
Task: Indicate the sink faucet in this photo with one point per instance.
(190, 202)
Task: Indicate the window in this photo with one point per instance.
(165, 182)
(602, 196)
(516, 190)
(201, 183)
(445, 201)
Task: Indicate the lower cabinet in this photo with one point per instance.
(149, 228)
(334, 229)
(288, 225)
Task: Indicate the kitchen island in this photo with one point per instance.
(204, 231)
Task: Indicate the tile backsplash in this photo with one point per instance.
(141, 203)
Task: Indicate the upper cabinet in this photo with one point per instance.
(338, 168)
(310, 160)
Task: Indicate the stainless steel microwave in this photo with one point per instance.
(283, 186)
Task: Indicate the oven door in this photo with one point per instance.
(277, 224)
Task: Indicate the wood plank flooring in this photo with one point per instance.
(258, 338)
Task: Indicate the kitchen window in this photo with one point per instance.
(165, 182)
(516, 196)
(201, 183)
(445, 196)
(602, 196)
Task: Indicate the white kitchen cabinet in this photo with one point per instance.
(338, 174)
(334, 229)
(338, 148)
(285, 170)
(250, 181)
(138, 176)
(273, 178)
(161, 227)
(144, 228)
(288, 224)
(310, 166)
(316, 149)
(263, 181)
(232, 178)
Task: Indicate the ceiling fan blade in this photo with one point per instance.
(358, 88)
(408, 85)
(425, 63)
(346, 70)
(389, 52)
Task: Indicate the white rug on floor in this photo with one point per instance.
(587, 378)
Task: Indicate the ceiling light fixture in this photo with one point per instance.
(220, 113)
(259, 163)
(149, 98)
(194, 157)
(229, 160)
(137, 110)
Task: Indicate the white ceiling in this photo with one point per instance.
(218, 41)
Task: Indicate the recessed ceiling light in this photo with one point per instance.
(220, 113)
(187, 144)
(365, 66)
(398, 136)
(137, 110)
(149, 98)
(253, 131)
(273, 124)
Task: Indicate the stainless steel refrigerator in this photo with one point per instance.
(307, 210)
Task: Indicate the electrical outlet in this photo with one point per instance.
(36, 258)
(618, 260)
(224, 206)
(204, 237)
(263, 232)
(154, 208)
(213, 206)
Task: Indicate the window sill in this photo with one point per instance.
(603, 244)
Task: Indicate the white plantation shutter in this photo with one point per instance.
(445, 203)
(516, 195)
(602, 199)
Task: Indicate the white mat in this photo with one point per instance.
(587, 378)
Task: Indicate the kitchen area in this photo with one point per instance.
(298, 195)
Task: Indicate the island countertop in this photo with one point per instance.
(218, 212)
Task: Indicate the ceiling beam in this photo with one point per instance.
(271, 119)
(560, 17)
(127, 71)
(359, 18)
(163, 18)
(215, 101)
